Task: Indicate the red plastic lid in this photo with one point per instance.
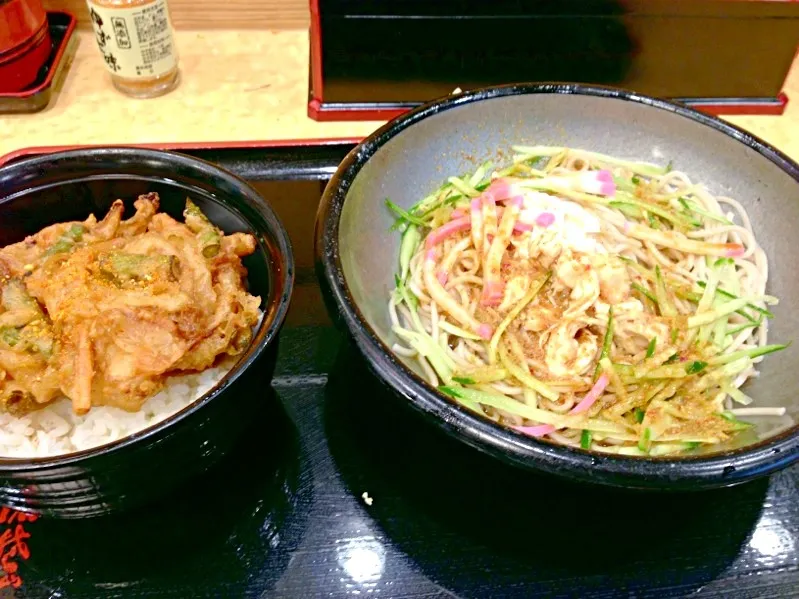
(19, 21)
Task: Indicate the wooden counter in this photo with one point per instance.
(237, 86)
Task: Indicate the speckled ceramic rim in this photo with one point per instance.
(278, 239)
(678, 473)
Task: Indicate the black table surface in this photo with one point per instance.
(285, 515)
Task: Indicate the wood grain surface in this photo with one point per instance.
(207, 14)
(236, 86)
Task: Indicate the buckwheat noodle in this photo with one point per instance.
(596, 302)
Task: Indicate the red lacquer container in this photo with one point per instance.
(25, 43)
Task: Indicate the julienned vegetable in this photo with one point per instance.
(594, 301)
(607, 343)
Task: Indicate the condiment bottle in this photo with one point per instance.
(137, 42)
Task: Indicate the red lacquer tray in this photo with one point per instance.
(40, 93)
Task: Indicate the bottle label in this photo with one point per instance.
(136, 42)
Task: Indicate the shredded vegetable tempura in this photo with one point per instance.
(596, 302)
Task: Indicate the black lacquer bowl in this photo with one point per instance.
(412, 155)
(70, 185)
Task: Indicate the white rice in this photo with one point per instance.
(57, 430)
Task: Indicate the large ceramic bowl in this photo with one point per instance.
(412, 155)
(70, 185)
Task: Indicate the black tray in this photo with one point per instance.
(284, 516)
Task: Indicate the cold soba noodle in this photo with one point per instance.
(596, 302)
